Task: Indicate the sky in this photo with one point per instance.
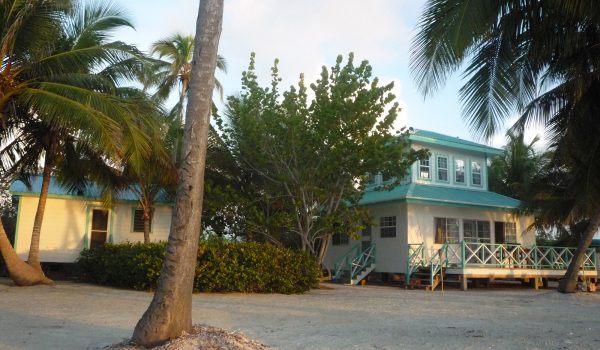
(307, 34)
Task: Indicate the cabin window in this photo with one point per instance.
(138, 220)
(459, 171)
(442, 168)
(476, 231)
(476, 173)
(446, 230)
(366, 232)
(424, 169)
(339, 239)
(506, 232)
(387, 226)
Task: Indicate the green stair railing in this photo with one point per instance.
(363, 261)
(438, 261)
(344, 263)
(416, 259)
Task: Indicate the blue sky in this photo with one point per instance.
(307, 34)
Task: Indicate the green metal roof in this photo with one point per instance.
(434, 138)
(91, 191)
(441, 195)
(595, 243)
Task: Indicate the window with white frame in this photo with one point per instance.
(446, 230)
(475, 173)
(510, 232)
(387, 226)
(424, 169)
(459, 171)
(476, 231)
(442, 168)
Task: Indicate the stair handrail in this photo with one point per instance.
(344, 262)
(416, 258)
(437, 262)
(364, 260)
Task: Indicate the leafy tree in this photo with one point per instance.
(537, 58)
(170, 312)
(307, 160)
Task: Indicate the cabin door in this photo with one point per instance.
(99, 231)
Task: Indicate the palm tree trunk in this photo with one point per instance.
(170, 312)
(147, 213)
(34, 249)
(568, 284)
(18, 270)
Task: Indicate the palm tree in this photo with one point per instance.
(537, 58)
(154, 177)
(170, 312)
(511, 174)
(59, 75)
(174, 72)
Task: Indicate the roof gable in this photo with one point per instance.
(434, 138)
(441, 195)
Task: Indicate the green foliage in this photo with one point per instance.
(304, 161)
(222, 266)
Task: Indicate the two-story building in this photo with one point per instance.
(442, 220)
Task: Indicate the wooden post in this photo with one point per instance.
(545, 283)
(463, 282)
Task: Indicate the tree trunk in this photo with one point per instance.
(147, 217)
(170, 312)
(568, 284)
(18, 270)
(34, 249)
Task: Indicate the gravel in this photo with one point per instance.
(80, 316)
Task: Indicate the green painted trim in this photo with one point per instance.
(456, 145)
(17, 224)
(81, 198)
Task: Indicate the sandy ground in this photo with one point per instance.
(79, 316)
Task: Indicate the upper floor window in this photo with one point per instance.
(387, 226)
(442, 168)
(339, 239)
(446, 230)
(459, 171)
(424, 172)
(476, 173)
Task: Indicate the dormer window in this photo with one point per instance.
(424, 172)
(476, 173)
(459, 171)
(442, 168)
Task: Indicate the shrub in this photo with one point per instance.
(222, 266)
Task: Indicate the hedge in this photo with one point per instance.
(222, 266)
